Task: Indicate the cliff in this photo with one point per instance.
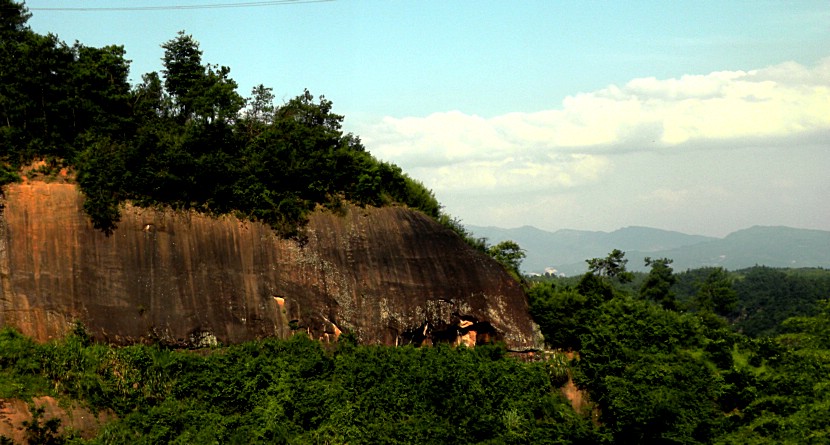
(389, 275)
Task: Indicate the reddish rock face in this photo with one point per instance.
(390, 276)
(13, 412)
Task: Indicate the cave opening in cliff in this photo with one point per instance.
(467, 332)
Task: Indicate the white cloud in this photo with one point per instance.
(675, 199)
(775, 101)
(513, 174)
(516, 159)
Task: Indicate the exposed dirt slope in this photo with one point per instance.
(14, 412)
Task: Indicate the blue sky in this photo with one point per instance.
(703, 117)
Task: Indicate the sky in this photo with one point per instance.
(704, 117)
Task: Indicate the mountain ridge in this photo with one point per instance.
(564, 251)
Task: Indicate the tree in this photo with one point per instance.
(563, 315)
(199, 92)
(180, 140)
(644, 368)
(716, 294)
(183, 71)
(35, 111)
(216, 101)
(657, 285)
(103, 168)
(259, 111)
(509, 254)
(260, 106)
(149, 99)
(101, 89)
(13, 17)
(612, 266)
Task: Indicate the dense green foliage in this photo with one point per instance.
(663, 376)
(612, 266)
(755, 301)
(654, 375)
(187, 140)
(657, 285)
(298, 391)
(758, 299)
(766, 297)
(510, 255)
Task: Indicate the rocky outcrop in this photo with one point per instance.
(389, 276)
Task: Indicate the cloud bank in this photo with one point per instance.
(580, 144)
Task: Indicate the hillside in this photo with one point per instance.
(178, 211)
(184, 138)
(567, 250)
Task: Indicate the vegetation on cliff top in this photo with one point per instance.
(185, 139)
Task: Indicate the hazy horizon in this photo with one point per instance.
(474, 226)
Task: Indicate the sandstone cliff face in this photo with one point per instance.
(390, 276)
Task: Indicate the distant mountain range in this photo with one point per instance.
(565, 251)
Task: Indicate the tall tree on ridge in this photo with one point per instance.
(658, 283)
(183, 71)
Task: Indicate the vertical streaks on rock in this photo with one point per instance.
(190, 279)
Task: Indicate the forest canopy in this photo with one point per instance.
(705, 356)
(183, 138)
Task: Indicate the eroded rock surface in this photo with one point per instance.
(390, 276)
(14, 412)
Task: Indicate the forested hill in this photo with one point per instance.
(183, 138)
(184, 145)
